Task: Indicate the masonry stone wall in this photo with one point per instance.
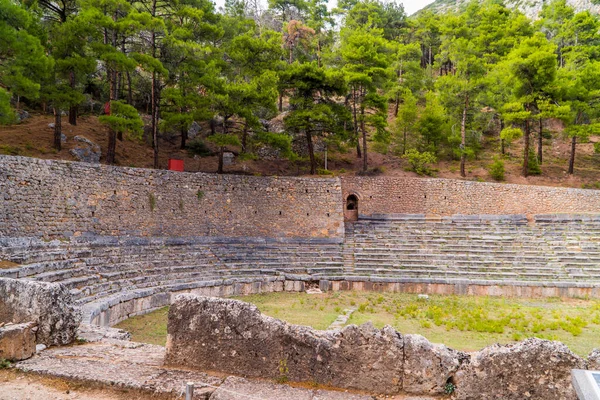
(61, 199)
(378, 195)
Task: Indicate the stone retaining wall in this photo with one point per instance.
(449, 197)
(234, 337)
(61, 199)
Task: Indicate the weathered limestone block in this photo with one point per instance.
(427, 366)
(17, 341)
(532, 369)
(593, 360)
(232, 336)
(49, 305)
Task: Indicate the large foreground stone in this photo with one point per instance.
(232, 336)
(49, 305)
(533, 369)
(17, 341)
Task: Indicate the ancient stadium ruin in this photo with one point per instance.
(102, 244)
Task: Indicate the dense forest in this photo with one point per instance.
(362, 76)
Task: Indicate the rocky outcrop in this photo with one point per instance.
(530, 8)
(86, 151)
(48, 305)
(534, 369)
(232, 336)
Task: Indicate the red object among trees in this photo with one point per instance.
(175, 165)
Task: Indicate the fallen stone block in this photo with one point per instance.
(17, 341)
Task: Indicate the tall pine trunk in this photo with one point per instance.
(526, 149)
(540, 137)
(502, 145)
(572, 157)
(245, 137)
(184, 135)
(112, 78)
(364, 139)
(220, 167)
(463, 138)
(355, 119)
(154, 95)
(57, 129)
(311, 152)
(73, 108)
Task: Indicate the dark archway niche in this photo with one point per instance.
(351, 208)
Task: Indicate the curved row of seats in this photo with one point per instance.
(106, 272)
(103, 271)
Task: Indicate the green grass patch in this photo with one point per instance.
(462, 322)
(148, 328)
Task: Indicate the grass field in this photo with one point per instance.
(461, 322)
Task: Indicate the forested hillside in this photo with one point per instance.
(483, 88)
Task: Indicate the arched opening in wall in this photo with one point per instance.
(351, 209)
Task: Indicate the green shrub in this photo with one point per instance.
(247, 157)
(533, 168)
(449, 388)
(546, 134)
(197, 147)
(496, 170)
(4, 364)
(321, 171)
(597, 147)
(420, 162)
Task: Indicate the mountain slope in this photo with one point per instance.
(531, 8)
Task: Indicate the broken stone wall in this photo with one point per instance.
(232, 336)
(62, 199)
(48, 305)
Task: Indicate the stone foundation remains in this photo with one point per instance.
(233, 337)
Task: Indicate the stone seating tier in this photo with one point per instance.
(112, 278)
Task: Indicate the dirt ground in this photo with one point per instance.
(34, 138)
